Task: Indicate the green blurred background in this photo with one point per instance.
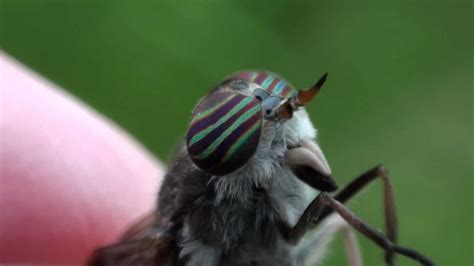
(399, 89)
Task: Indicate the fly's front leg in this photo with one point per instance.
(313, 212)
(353, 254)
(310, 215)
(313, 248)
(309, 165)
(360, 183)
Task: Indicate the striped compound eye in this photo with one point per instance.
(224, 132)
(270, 82)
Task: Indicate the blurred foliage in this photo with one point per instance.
(399, 88)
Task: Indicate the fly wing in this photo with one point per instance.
(142, 244)
(145, 243)
(151, 251)
(140, 228)
(151, 241)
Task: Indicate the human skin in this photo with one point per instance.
(70, 180)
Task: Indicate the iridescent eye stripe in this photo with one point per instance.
(261, 76)
(268, 81)
(279, 87)
(197, 125)
(241, 141)
(202, 115)
(245, 75)
(288, 91)
(233, 111)
(241, 153)
(253, 76)
(198, 147)
(233, 135)
(272, 85)
(211, 148)
(271, 82)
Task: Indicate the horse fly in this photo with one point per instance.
(248, 184)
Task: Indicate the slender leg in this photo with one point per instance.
(313, 212)
(360, 183)
(354, 257)
(312, 249)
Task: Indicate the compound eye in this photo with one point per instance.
(224, 132)
(260, 94)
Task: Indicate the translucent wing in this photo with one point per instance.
(141, 245)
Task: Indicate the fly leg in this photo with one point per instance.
(313, 248)
(360, 183)
(313, 212)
